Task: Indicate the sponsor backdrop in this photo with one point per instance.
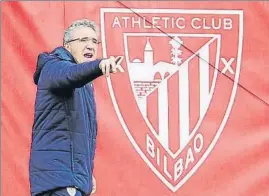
(188, 112)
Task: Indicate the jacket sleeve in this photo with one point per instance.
(59, 73)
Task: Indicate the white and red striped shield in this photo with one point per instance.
(177, 83)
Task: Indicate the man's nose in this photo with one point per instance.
(89, 46)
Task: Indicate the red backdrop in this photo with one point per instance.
(238, 163)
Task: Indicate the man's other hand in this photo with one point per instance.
(93, 185)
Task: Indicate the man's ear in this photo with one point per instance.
(67, 47)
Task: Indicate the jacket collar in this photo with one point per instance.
(63, 54)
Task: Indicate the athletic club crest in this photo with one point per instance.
(177, 84)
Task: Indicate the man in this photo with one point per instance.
(65, 128)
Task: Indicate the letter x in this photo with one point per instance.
(118, 64)
(227, 65)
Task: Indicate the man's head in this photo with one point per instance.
(81, 39)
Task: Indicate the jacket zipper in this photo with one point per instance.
(71, 135)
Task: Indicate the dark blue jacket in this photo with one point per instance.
(65, 128)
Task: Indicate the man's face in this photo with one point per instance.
(85, 45)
